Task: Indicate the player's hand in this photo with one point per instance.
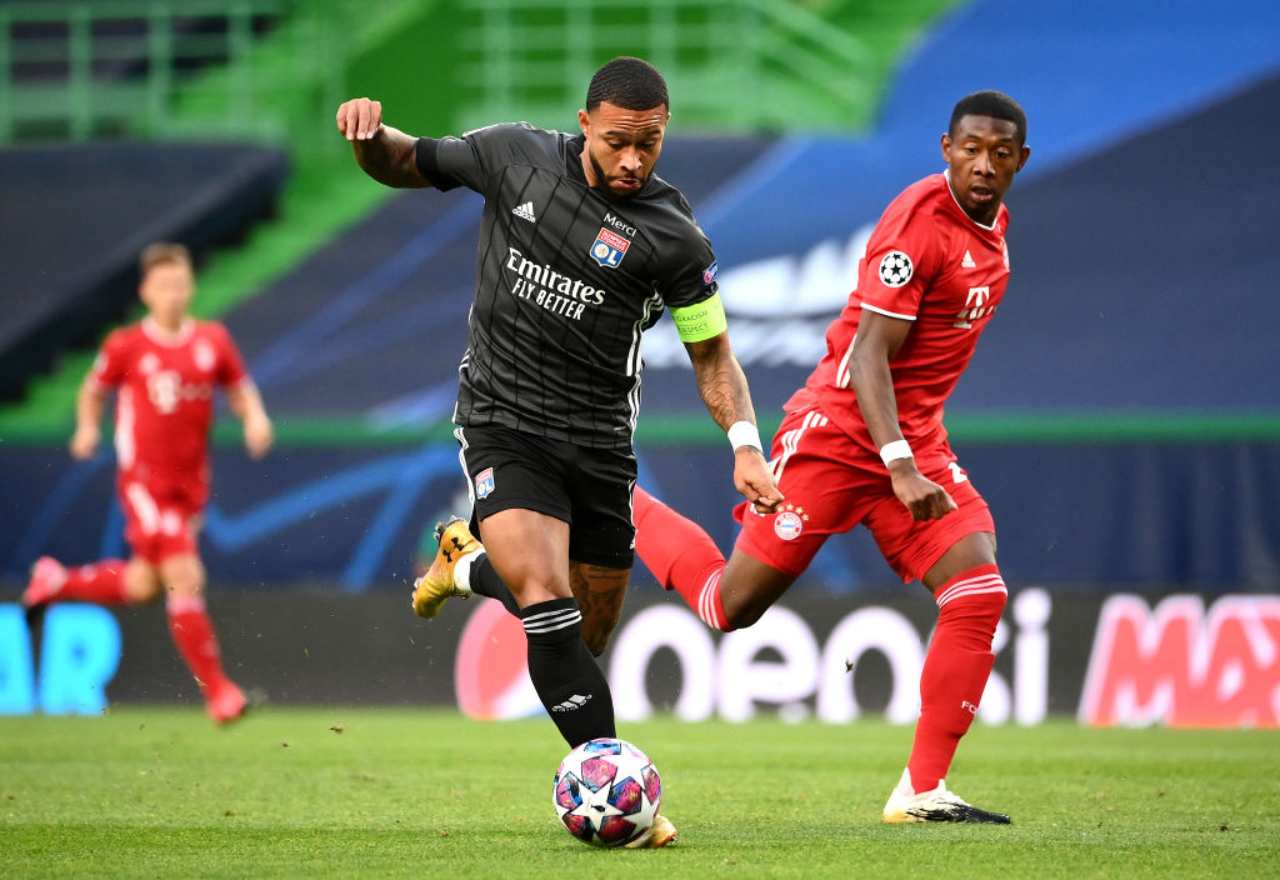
(84, 442)
(258, 436)
(753, 478)
(923, 497)
(359, 119)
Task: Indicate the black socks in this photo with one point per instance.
(565, 675)
(484, 581)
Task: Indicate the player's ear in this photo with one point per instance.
(945, 144)
(1026, 154)
(584, 121)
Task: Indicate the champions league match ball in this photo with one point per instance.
(606, 792)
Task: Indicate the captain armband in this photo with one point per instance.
(700, 321)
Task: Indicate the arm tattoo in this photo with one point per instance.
(723, 387)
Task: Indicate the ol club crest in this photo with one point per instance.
(609, 248)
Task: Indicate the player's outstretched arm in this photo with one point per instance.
(878, 340)
(89, 405)
(724, 390)
(246, 404)
(385, 153)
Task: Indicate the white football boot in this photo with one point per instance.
(936, 805)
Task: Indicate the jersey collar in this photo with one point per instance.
(577, 144)
(956, 202)
(160, 336)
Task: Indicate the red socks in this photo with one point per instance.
(193, 634)
(681, 556)
(955, 670)
(101, 583)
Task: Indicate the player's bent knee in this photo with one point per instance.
(141, 582)
(142, 590)
(535, 590)
(745, 612)
(183, 576)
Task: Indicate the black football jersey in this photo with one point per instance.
(567, 281)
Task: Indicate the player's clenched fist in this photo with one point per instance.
(359, 119)
(258, 436)
(84, 443)
(924, 498)
(753, 479)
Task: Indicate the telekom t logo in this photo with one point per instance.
(975, 307)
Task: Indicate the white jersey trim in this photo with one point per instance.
(462, 460)
(887, 313)
(160, 336)
(126, 448)
(844, 376)
(635, 365)
(991, 228)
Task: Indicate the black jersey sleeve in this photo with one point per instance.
(688, 276)
(472, 159)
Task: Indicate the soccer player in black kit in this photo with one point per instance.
(581, 248)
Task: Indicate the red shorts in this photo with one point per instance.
(161, 521)
(832, 484)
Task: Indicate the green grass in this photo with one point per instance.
(336, 792)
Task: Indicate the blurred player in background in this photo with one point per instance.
(863, 442)
(164, 369)
(581, 248)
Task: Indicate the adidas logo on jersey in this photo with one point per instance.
(525, 212)
(967, 262)
(577, 701)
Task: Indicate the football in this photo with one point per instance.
(606, 792)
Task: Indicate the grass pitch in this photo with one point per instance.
(330, 792)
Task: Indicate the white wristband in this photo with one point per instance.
(891, 452)
(744, 434)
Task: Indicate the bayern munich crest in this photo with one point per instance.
(895, 269)
(609, 248)
(205, 357)
(788, 524)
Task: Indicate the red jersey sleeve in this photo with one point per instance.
(112, 364)
(230, 369)
(903, 256)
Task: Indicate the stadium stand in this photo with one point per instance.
(1118, 439)
(103, 204)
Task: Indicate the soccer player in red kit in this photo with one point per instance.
(863, 443)
(165, 369)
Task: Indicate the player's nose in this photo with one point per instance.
(630, 161)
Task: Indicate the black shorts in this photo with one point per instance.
(590, 489)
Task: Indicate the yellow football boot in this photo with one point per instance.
(660, 833)
(453, 541)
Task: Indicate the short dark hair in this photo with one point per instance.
(997, 105)
(162, 252)
(630, 83)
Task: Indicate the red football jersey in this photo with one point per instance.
(165, 404)
(927, 262)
